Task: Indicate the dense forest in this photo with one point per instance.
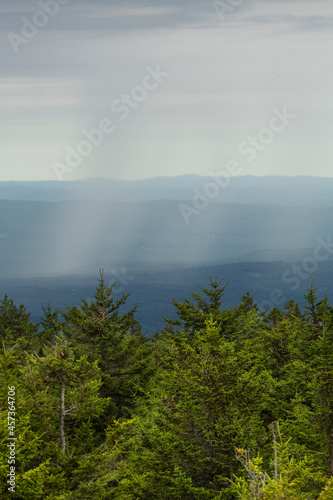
(221, 404)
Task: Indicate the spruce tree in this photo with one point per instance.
(16, 327)
(114, 339)
(194, 314)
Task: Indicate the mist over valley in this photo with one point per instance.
(51, 251)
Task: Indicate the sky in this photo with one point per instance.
(131, 90)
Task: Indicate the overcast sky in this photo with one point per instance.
(177, 86)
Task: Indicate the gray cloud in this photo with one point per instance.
(225, 79)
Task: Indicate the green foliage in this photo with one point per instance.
(31, 474)
(50, 326)
(205, 400)
(115, 341)
(16, 327)
(102, 412)
(61, 370)
(193, 316)
(294, 478)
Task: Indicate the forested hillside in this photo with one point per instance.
(221, 404)
(45, 239)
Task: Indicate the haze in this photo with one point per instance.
(224, 74)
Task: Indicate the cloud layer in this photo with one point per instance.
(68, 65)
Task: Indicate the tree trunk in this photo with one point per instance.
(62, 419)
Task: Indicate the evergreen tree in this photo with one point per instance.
(103, 413)
(16, 422)
(49, 326)
(193, 316)
(293, 310)
(291, 477)
(248, 304)
(115, 341)
(16, 327)
(206, 400)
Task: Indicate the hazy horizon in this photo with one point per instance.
(167, 176)
(201, 102)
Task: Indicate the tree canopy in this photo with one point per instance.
(222, 404)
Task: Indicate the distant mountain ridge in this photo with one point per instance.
(269, 190)
(77, 237)
(54, 236)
